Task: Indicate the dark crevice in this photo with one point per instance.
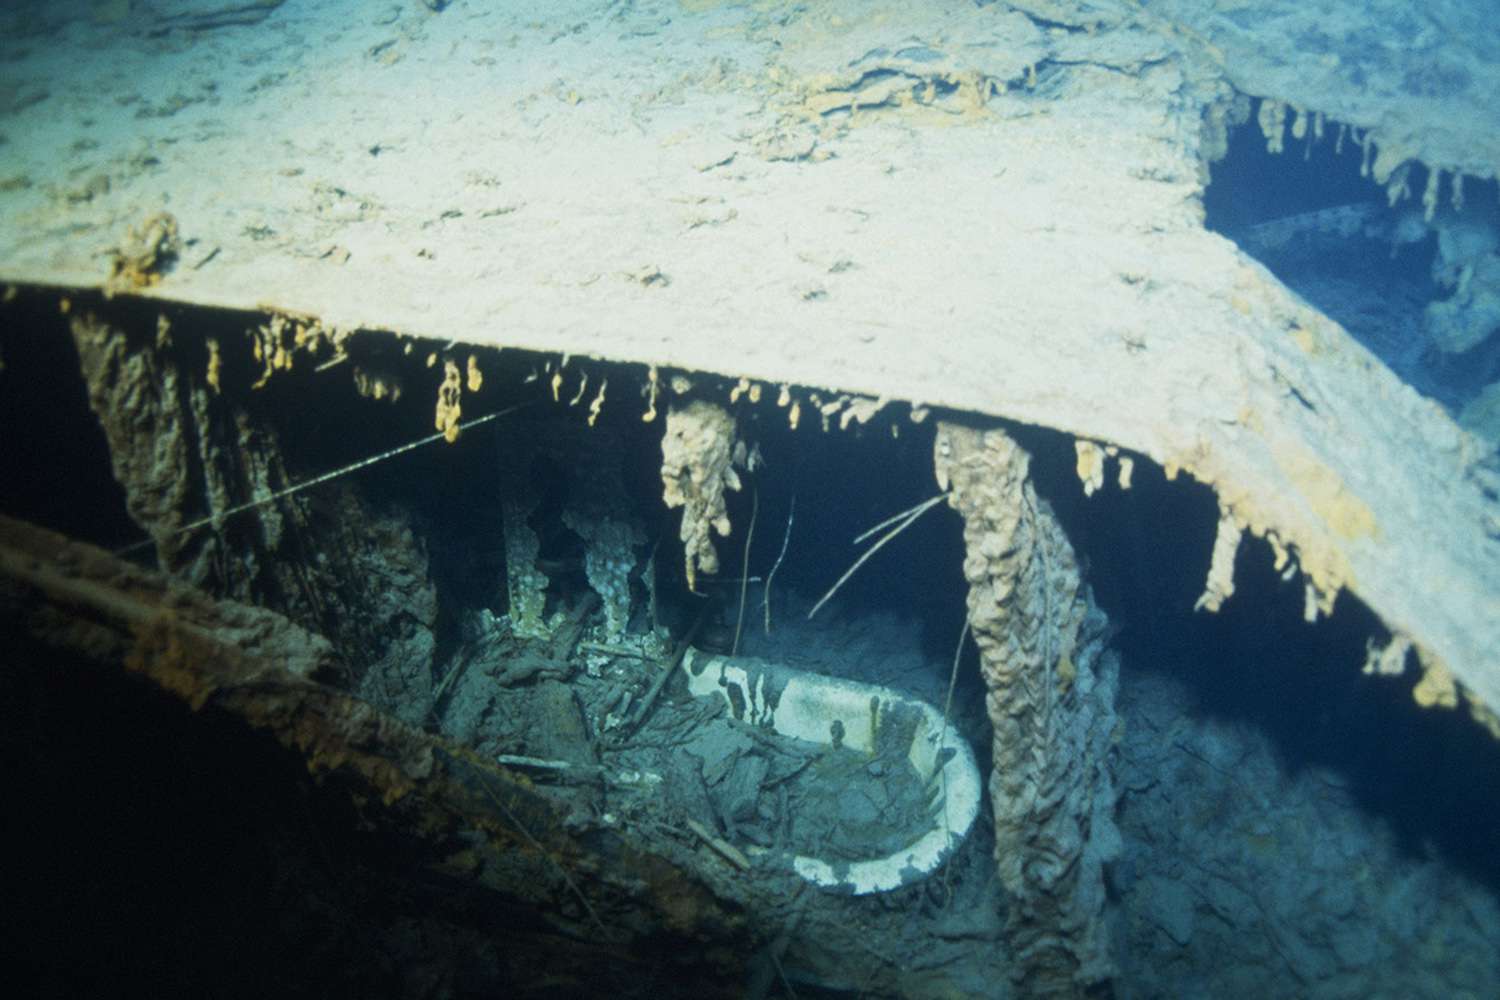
(172, 850)
(1258, 661)
(1329, 232)
(52, 449)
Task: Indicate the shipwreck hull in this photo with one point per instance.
(418, 447)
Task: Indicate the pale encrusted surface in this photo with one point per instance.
(1015, 230)
(1220, 585)
(1421, 77)
(696, 467)
(1051, 687)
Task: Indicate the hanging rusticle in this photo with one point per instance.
(697, 465)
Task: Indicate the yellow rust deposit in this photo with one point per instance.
(144, 254)
(861, 409)
(937, 97)
(1481, 714)
(276, 342)
(1280, 557)
(1328, 495)
(652, 390)
(598, 404)
(1091, 460)
(1436, 688)
(215, 362)
(1220, 585)
(1089, 465)
(1304, 338)
(376, 385)
(448, 409)
(583, 384)
(1325, 566)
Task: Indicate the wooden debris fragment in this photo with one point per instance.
(721, 847)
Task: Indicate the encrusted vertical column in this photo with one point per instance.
(594, 506)
(186, 449)
(182, 454)
(526, 584)
(1051, 697)
(599, 512)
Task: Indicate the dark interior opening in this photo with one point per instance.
(53, 454)
(174, 851)
(1331, 235)
(168, 850)
(1258, 660)
(845, 482)
(1145, 551)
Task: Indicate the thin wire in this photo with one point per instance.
(745, 571)
(890, 521)
(942, 764)
(953, 677)
(910, 518)
(765, 601)
(315, 481)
